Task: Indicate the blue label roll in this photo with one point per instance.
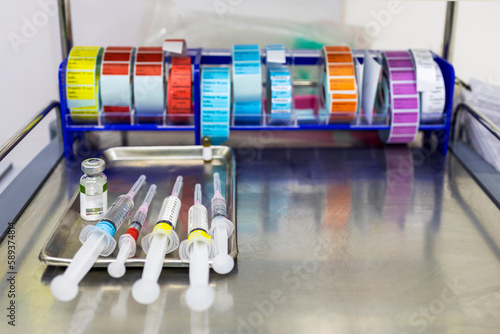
(247, 84)
(215, 103)
(279, 98)
(279, 85)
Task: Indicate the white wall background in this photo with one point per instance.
(30, 47)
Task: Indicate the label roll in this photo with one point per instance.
(82, 82)
(247, 84)
(340, 85)
(179, 77)
(404, 100)
(179, 90)
(278, 85)
(430, 85)
(149, 85)
(116, 83)
(215, 103)
(279, 95)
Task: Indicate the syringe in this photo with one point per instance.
(197, 249)
(221, 230)
(156, 245)
(128, 240)
(97, 240)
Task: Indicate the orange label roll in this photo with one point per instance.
(178, 82)
(341, 88)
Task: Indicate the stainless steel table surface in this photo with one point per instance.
(331, 240)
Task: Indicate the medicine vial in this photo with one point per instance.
(93, 190)
(206, 144)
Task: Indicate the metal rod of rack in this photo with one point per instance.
(65, 27)
(449, 30)
(19, 135)
(67, 34)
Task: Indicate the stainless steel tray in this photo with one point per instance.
(161, 165)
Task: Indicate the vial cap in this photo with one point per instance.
(206, 142)
(93, 166)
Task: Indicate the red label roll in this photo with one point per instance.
(179, 90)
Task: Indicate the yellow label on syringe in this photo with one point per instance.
(197, 234)
(162, 227)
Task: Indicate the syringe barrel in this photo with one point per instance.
(141, 214)
(169, 212)
(136, 225)
(116, 214)
(198, 219)
(218, 206)
(139, 218)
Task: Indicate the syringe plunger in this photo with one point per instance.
(128, 239)
(161, 241)
(197, 249)
(221, 230)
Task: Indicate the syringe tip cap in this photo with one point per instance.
(199, 297)
(145, 291)
(223, 264)
(116, 269)
(63, 288)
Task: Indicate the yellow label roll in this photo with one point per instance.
(82, 82)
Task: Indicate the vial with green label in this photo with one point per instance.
(93, 189)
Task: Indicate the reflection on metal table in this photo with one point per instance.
(331, 240)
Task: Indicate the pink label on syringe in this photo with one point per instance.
(405, 103)
(405, 89)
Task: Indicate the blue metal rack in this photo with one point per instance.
(201, 57)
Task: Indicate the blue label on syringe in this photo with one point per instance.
(107, 227)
